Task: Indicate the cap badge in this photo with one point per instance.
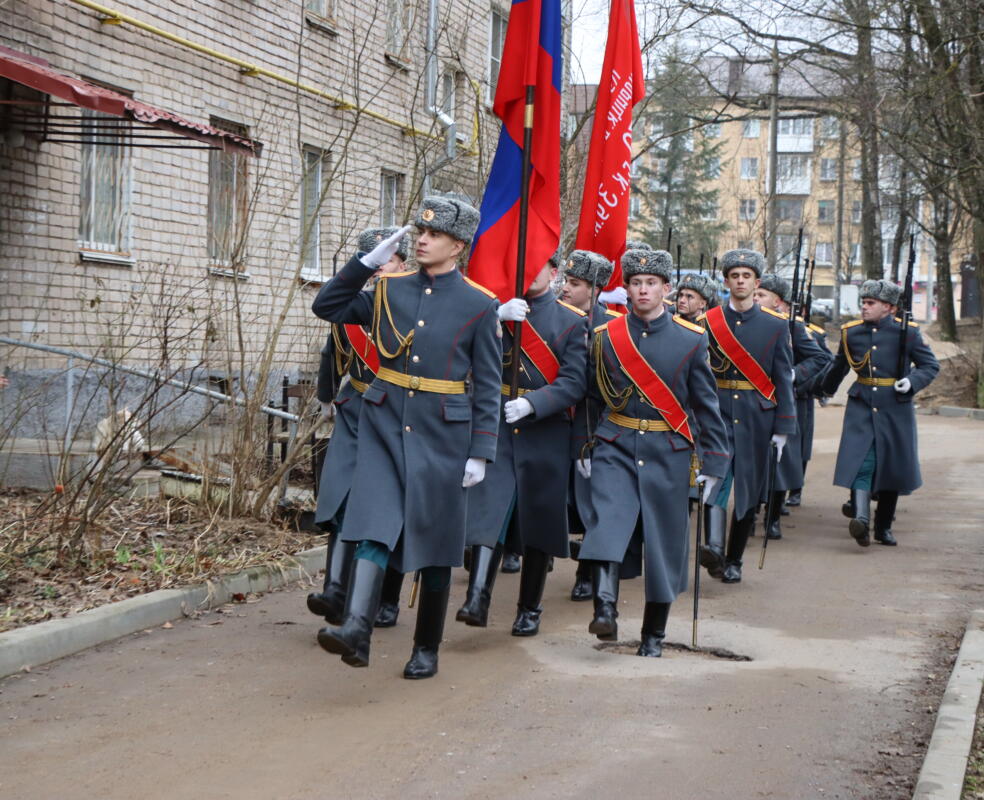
(643, 261)
(428, 215)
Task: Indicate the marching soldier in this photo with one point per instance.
(694, 295)
(349, 351)
(652, 373)
(528, 480)
(423, 439)
(809, 361)
(752, 359)
(878, 453)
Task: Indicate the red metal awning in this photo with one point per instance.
(36, 74)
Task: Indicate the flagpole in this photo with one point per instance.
(524, 213)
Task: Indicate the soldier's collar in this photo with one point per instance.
(640, 324)
(443, 278)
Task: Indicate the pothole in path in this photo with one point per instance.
(629, 649)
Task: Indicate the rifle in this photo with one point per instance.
(714, 268)
(793, 298)
(669, 239)
(770, 508)
(700, 268)
(700, 539)
(808, 296)
(678, 263)
(905, 308)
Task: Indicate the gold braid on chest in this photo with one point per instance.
(343, 355)
(616, 400)
(859, 365)
(381, 306)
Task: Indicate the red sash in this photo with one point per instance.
(738, 355)
(537, 351)
(363, 347)
(646, 379)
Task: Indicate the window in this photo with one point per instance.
(571, 125)
(786, 248)
(828, 169)
(793, 166)
(712, 130)
(323, 8)
(390, 195)
(228, 200)
(797, 126)
(751, 129)
(497, 38)
(825, 253)
(635, 206)
(789, 209)
(634, 167)
(829, 128)
(710, 212)
(747, 209)
(712, 169)
(655, 126)
(312, 197)
(825, 212)
(856, 174)
(855, 256)
(399, 20)
(749, 168)
(104, 184)
(856, 212)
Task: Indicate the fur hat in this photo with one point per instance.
(882, 290)
(370, 237)
(448, 215)
(647, 262)
(637, 244)
(586, 265)
(701, 284)
(752, 259)
(779, 286)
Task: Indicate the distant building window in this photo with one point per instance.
(312, 200)
(323, 8)
(751, 129)
(749, 168)
(856, 212)
(793, 166)
(390, 194)
(635, 206)
(712, 169)
(497, 39)
(747, 209)
(634, 167)
(855, 257)
(798, 126)
(786, 248)
(399, 21)
(710, 212)
(655, 125)
(712, 130)
(856, 173)
(104, 187)
(228, 200)
(828, 169)
(829, 127)
(825, 212)
(789, 209)
(825, 253)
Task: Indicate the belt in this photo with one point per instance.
(725, 383)
(876, 381)
(417, 383)
(638, 424)
(358, 385)
(507, 391)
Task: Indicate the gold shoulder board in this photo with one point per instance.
(687, 324)
(482, 289)
(575, 309)
(851, 324)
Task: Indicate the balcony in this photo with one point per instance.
(791, 185)
(794, 143)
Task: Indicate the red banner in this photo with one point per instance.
(605, 203)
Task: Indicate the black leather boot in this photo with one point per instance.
(741, 529)
(884, 514)
(653, 629)
(531, 584)
(773, 525)
(351, 639)
(481, 579)
(715, 531)
(604, 575)
(389, 599)
(330, 601)
(428, 633)
(582, 582)
(510, 562)
(795, 498)
(858, 526)
(847, 509)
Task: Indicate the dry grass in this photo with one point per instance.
(973, 788)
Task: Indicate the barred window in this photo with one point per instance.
(105, 183)
(228, 200)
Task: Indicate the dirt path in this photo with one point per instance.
(848, 647)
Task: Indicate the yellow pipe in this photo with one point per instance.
(117, 17)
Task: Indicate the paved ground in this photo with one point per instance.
(845, 642)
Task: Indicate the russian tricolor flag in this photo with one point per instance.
(531, 56)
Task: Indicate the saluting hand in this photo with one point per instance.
(514, 310)
(517, 409)
(384, 251)
(474, 472)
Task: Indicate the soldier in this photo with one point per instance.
(419, 428)
(651, 371)
(809, 361)
(695, 294)
(349, 351)
(585, 274)
(752, 359)
(878, 452)
(529, 478)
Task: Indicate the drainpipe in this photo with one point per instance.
(430, 97)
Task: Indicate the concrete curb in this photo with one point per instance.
(943, 769)
(954, 411)
(57, 638)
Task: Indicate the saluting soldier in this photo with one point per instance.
(652, 373)
(350, 352)
(585, 276)
(530, 476)
(423, 439)
(809, 361)
(878, 453)
(694, 295)
(752, 358)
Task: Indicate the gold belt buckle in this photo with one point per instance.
(414, 382)
(643, 424)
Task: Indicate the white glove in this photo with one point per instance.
(517, 409)
(328, 410)
(710, 485)
(779, 440)
(618, 296)
(384, 251)
(583, 467)
(514, 310)
(793, 373)
(474, 472)
(903, 385)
